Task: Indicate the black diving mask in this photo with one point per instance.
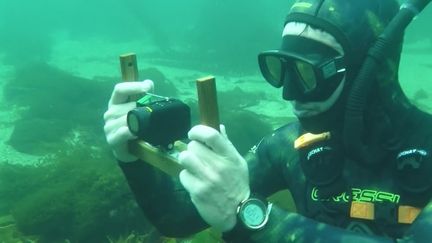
(307, 69)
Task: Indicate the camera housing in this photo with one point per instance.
(160, 122)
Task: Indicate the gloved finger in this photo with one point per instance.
(116, 111)
(202, 152)
(123, 90)
(193, 164)
(192, 184)
(112, 125)
(222, 130)
(212, 138)
(120, 136)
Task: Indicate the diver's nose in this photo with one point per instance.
(290, 89)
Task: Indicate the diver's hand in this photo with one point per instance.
(116, 131)
(215, 175)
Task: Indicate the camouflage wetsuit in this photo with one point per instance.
(404, 179)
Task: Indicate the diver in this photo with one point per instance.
(357, 163)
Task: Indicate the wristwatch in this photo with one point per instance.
(253, 213)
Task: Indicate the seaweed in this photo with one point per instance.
(76, 195)
(208, 236)
(10, 233)
(52, 103)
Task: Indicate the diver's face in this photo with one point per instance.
(303, 106)
(313, 108)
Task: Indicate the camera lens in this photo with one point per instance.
(133, 123)
(138, 121)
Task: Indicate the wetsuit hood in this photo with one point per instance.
(356, 25)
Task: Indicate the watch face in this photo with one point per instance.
(253, 213)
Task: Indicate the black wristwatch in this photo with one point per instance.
(253, 213)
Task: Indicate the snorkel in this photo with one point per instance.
(354, 128)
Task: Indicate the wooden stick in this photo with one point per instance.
(158, 158)
(207, 100)
(145, 151)
(129, 71)
(129, 67)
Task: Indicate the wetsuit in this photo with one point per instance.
(402, 180)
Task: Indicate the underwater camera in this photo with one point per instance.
(159, 120)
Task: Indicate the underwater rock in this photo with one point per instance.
(38, 136)
(162, 85)
(245, 128)
(51, 92)
(51, 103)
(420, 100)
(237, 98)
(420, 95)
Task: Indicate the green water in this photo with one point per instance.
(59, 62)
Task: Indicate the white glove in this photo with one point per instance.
(116, 130)
(215, 175)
